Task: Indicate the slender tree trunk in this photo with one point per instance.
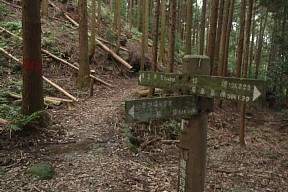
(44, 8)
(229, 28)
(212, 34)
(83, 78)
(260, 42)
(118, 10)
(145, 33)
(93, 29)
(188, 27)
(130, 14)
(202, 33)
(155, 40)
(245, 70)
(241, 39)
(32, 92)
(139, 13)
(219, 35)
(252, 44)
(223, 38)
(172, 25)
(163, 32)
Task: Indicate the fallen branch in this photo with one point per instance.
(145, 93)
(170, 141)
(44, 78)
(3, 121)
(98, 42)
(59, 59)
(46, 99)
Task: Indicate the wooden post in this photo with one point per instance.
(193, 140)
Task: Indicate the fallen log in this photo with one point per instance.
(55, 100)
(145, 93)
(3, 121)
(61, 60)
(98, 42)
(44, 78)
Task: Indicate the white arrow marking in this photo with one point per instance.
(131, 111)
(256, 93)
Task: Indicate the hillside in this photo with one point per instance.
(90, 146)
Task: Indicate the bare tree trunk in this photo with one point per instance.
(263, 21)
(241, 40)
(188, 28)
(203, 23)
(252, 44)
(145, 33)
(163, 32)
(83, 78)
(130, 14)
(212, 34)
(118, 10)
(155, 40)
(32, 92)
(44, 9)
(93, 29)
(219, 35)
(172, 25)
(139, 13)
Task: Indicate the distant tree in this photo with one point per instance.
(202, 33)
(32, 92)
(263, 20)
(144, 47)
(83, 78)
(212, 34)
(240, 44)
(155, 40)
(130, 14)
(44, 8)
(118, 28)
(139, 14)
(163, 32)
(188, 27)
(171, 35)
(92, 42)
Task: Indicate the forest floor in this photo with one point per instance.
(90, 146)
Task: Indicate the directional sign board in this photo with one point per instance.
(144, 110)
(224, 88)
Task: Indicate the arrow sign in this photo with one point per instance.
(224, 88)
(144, 110)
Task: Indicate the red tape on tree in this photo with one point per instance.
(32, 65)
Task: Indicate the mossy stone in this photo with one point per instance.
(43, 170)
(1, 171)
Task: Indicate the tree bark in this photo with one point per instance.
(172, 26)
(44, 9)
(188, 27)
(32, 92)
(202, 33)
(130, 14)
(163, 31)
(92, 43)
(212, 34)
(241, 40)
(83, 78)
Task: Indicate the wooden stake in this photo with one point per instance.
(193, 140)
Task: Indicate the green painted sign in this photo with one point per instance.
(224, 88)
(143, 110)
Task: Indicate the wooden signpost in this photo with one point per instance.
(198, 86)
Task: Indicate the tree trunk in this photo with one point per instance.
(188, 27)
(32, 92)
(144, 48)
(260, 42)
(139, 5)
(93, 29)
(212, 34)
(241, 40)
(130, 14)
(172, 25)
(118, 29)
(202, 33)
(83, 78)
(219, 35)
(44, 9)
(155, 41)
(163, 31)
(115, 19)
(251, 55)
